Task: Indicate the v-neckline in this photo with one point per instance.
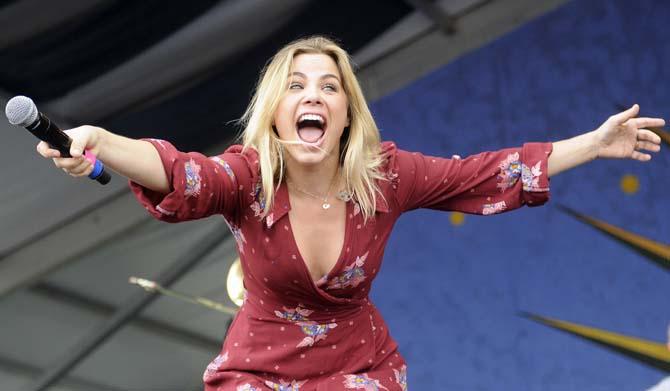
(338, 262)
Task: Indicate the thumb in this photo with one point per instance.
(626, 115)
(78, 145)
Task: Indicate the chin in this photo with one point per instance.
(304, 156)
(311, 156)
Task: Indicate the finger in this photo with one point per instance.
(88, 171)
(649, 146)
(80, 167)
(644, 122)
(81, 170)
(626, 115)
(648, 135)
(643, 157)
(67, 163)
(44, 150)
(78, 145)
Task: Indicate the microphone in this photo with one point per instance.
(21, 111)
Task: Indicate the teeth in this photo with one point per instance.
(311, 117)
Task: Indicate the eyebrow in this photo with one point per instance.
(326, 76)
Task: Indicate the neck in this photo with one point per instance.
(315, 178)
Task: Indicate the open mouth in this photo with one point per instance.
(311, 128)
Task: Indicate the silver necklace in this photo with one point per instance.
(325, 204)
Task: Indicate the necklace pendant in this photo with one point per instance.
(325, 205)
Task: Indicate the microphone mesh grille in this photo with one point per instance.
(21, 111)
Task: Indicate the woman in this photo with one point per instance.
(311, 198)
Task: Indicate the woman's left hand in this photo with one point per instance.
(623, 136)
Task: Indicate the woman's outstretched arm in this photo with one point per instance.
(136, 160)
(172, 185)
(622, 136)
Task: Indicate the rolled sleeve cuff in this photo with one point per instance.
(160, 205)
(534, 173)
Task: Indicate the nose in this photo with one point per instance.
(312, 96)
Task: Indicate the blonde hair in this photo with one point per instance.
(360, 154)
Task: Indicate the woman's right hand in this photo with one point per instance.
(84, 138)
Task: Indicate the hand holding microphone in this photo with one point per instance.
(76, 162)
(75, 155)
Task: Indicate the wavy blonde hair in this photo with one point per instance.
(360, 154)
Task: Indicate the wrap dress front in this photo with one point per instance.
(294, 333)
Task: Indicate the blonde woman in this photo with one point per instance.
(311, 197)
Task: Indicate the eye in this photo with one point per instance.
(330, 87)
(294, 86)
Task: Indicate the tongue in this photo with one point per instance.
(310, 135)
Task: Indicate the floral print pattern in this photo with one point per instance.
(192, 170)
(269, 220)
(214, 366)
(510, 170)
(392, 173)
(315, 332)
(497, 207)
(247, 387)
(352, 275)
(531, 177)
(401, 377)
(225, 165)
(258, 206)
(363, 382)
(285, 386)
(298, 314)
(238, 235)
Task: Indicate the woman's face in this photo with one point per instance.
(314, 109)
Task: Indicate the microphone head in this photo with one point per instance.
(21, 111)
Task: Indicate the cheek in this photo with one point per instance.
(344, 111)
(283, 130)
(338, 110)
(282, 120)
(336, 134)
(279, 113)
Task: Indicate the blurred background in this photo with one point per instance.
(570, 296)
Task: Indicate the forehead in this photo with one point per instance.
(314, 64)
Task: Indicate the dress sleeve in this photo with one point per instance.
(201, 186)
(486, 183)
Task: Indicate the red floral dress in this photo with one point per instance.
(293, 333)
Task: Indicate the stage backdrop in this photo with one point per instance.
(454, 288)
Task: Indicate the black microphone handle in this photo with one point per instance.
(50, 133)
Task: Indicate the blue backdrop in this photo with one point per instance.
(451, 293)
